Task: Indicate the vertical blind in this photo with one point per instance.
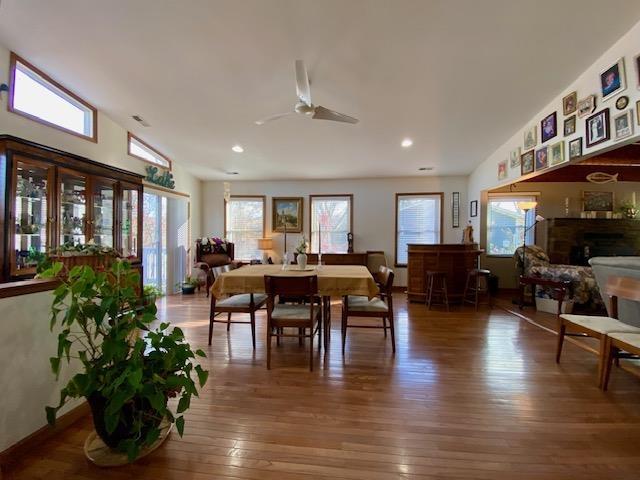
(505, 224)
(418, 221)
(332, 215)
(244, 226)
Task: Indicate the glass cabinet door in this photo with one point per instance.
(129, 222)
(72, 219)
(102, 213)
(31, 214)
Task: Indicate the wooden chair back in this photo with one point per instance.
(291, 285)
(626, 288)
(386, 275)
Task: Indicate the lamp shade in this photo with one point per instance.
(527, 205)
(265, 244)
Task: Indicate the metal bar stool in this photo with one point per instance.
(477, 284)
(437, 284)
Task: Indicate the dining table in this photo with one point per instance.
(333, 281)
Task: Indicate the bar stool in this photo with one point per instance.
(437, 284)
(474, 286)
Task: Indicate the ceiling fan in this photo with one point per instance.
(304, 105)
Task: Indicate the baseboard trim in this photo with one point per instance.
(12, 454)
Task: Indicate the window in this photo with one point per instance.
(505, 224)
(137, 148)
(36, 96)
(332, 218)
(244, 225)
(418, 220)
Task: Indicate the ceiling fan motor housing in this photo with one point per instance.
(304, 109)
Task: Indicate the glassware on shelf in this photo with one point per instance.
(129, 226)
(73, 208)
(103, 221)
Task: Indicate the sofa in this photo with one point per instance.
(211, 253)
(584, 288)
(603, 268)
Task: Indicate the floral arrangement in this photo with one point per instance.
(302, 246)
(213, 245)
(90, 248)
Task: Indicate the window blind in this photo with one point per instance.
(244, 226)
(332, 215)
(506, 223)
(417, 221)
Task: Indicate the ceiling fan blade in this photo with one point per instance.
(272, 118)
(302, 83)
(322, 113)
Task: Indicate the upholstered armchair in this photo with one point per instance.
(211, 253)
(584, 289)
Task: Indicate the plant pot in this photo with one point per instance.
(302, 260)
(149, 299)
(188, 289)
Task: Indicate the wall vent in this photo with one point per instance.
(141, 120)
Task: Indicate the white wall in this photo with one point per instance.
(373, 207)
(484, 177)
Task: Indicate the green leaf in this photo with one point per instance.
(51, 415)
(184, 403)
(111, 421)
(55, 365)
(203, 375)
(200, 353)
(152, 435)
(180, 425)
(135, 377)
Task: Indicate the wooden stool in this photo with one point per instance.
(439, 289)
(476, 288)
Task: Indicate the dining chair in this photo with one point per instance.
(378, 307)
(242, 303)
(300, 316)
(599, 327)
(619, 345)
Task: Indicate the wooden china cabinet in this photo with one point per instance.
(50, 198)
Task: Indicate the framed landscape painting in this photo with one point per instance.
(556, 154)
(287, 211)
(527, 162)
(597, 201)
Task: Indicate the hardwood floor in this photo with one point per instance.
(467, 395)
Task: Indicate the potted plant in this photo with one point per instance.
(189, 285)
(628, 209)
(126, 379)
(150, 293)
(301, 250)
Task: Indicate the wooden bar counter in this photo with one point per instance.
(456, 259)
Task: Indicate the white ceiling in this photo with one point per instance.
(458, 76)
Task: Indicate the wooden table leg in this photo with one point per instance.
(326, 318)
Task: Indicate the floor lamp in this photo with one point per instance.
(526, 206)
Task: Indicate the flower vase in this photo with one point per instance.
(302, 261)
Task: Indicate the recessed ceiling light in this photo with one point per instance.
(237, 148)
(233, 173)
(406, 143)
(423, 169)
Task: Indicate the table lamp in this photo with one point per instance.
(265, 244)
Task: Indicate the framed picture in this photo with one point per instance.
(570, 103)
(287, 211)
(612, 80)
(586, 106)
(622, 102)
(597, 128)
(623, 124)
(542, 158)
(570, 125)
(556, 153)
(502, 170)
(575, 148)
(548, 127)
(527, 161)
(597, 201)
(636, 60)
(514, 158)
(455, 209)
(473, 208)
(530, 137)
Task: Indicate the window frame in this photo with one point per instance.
(329, 195)
(527, 195)
(416, 194)
(264, 214)
(14, 59)
(131, 136)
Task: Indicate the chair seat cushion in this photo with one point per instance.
(632, 339)
(293, 312)
(360, 303)
(600, 324)
(242, 301)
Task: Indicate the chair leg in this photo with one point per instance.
(319, 336)
(477, 290)
(269, 334)
(253, 328)
(228, 321)
(211, 317)
(561, 331)
(278, 331)
(345, 320)
(606, 359)
(310, 348)
(466, 290)
(301, 332)
(384, 326)
(393, 332)
(430, 293)
(444, 293)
